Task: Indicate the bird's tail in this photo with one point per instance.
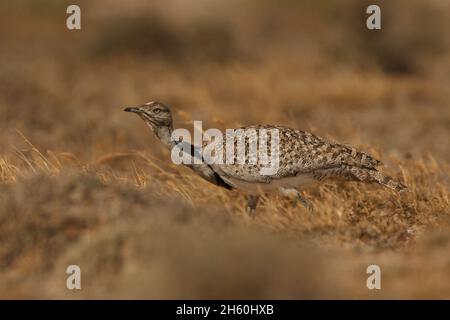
(372, 175)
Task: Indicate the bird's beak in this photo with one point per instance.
(132, 109)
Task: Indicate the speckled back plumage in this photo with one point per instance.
(303, 153)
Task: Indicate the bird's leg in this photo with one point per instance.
(252, 202)
(293, 193)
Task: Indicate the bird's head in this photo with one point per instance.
(153, 113)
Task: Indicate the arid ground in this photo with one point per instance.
(84, 183)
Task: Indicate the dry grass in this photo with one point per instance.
(82, 182)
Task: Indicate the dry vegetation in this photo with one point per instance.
(82, 182)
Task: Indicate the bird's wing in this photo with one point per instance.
(299, 153)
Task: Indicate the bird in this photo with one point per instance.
(304, 159)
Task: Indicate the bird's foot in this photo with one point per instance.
(296, 197)
(252, 202)
(305, 203)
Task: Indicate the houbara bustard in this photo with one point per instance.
(304, 158)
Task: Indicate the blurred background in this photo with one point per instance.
(82, 182)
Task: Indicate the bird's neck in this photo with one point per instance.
(164, 133)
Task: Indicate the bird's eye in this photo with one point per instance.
(156, 111)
